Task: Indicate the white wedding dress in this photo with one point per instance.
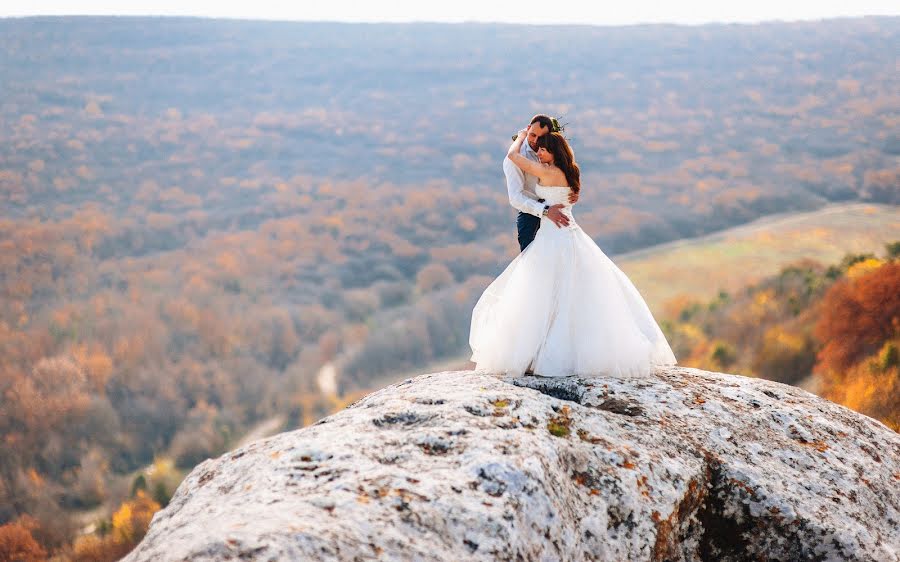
(562, 307)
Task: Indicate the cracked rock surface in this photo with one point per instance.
(684, 465)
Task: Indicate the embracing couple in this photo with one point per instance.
(561, 307)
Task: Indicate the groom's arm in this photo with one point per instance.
(515, 187)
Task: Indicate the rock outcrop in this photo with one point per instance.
(684, 465)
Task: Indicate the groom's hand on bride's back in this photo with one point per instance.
(573, 197)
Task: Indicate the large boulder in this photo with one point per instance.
(683, 465)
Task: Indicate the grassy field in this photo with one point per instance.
(731, 259)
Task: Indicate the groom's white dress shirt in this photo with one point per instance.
(520, 185)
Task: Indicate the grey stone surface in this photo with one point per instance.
(684, 465)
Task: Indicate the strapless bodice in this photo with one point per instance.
(553, 194)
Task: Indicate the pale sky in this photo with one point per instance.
(521, 11)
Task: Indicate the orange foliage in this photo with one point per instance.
(783, 355)
(96, 364)
(129, 525)
(17, 544)
(673, 306)
(131, 520)
(433, 276)
(92, 548)
(858, 316)
(56, 389)
(871, 387)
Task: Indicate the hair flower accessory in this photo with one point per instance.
(555, 127)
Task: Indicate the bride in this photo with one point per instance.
(562, 307)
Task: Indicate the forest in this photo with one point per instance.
(839, 321)
(197, 216)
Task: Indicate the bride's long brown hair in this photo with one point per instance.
(563, 157)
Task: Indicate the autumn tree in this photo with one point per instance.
(433, 276)
(17, 544)
(871, 386)
(784, 355)
(858, 316)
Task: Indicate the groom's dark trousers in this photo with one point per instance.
(527, 225)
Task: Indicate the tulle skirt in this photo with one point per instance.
(561, 308)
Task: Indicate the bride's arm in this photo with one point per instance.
(526, 165)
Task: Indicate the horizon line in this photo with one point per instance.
(774, 21)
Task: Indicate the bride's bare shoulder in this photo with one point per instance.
(554, 179)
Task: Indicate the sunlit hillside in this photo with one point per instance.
(834, 329)
(731, 259)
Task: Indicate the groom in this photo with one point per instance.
(520, 186)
